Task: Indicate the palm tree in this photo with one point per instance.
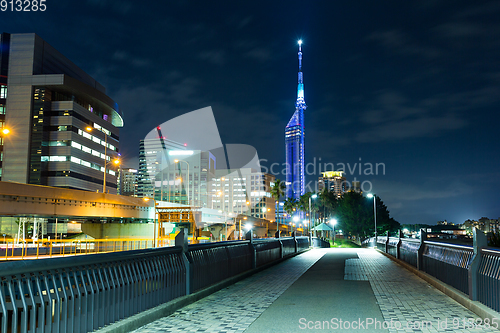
(277, 191)
(290, 205)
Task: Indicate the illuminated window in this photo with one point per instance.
(3, 91)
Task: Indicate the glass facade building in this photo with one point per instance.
(49, 104)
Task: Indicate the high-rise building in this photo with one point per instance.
(4, 67)
(152, 154)
(127, 182)
(48, 103)
(294, 142)
(164, 166)
(243, 191)
(334, 181)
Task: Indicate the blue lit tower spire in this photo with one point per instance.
(294, 141)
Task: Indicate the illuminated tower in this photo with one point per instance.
(294, 142)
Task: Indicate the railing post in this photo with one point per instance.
(295, 241)
(182, 240)
(253, 250)
(398, 245)
(281, 248)
(480, 241)
(420, 252)
(387, 243)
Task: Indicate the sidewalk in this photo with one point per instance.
(346, 290)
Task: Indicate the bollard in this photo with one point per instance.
(182, 240)
(480, 241)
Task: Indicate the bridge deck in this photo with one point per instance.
(320, 289)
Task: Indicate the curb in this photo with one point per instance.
(148, 316)
(475, 306)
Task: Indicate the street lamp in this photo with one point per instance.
(115, 161)
(369, 195)
(333, 222)
(154, 219)
(187, 186)
(314, 196)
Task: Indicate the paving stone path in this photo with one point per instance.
(402, 298)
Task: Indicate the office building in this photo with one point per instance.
(64, 129)
(294, 142)
(244, 191)
(164, 166)
(334, 181)
(127, 182)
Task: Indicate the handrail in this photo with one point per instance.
(492, 250)
(463, 247)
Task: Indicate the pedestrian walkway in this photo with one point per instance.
(347, 290)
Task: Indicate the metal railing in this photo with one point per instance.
(68, 247)
(82, 294)
(408, 250)
(449, 263)
(489, 278)
(320, 242)
(68, 295)
(474, 270)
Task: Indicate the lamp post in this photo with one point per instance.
(369, 195)
(333, 222)
(187, 176)
(116, 161)
(314, 196)
(154, 219)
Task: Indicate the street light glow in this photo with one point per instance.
(314, 196)
(5, 131)
(333, 221)
(369, 195)
(300, 42)
(296, 218)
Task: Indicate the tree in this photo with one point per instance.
(277, 191)
(290, 205)
(326, 203)
(303, 203)
(356, 216)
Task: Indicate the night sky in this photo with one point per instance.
(411, 84)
